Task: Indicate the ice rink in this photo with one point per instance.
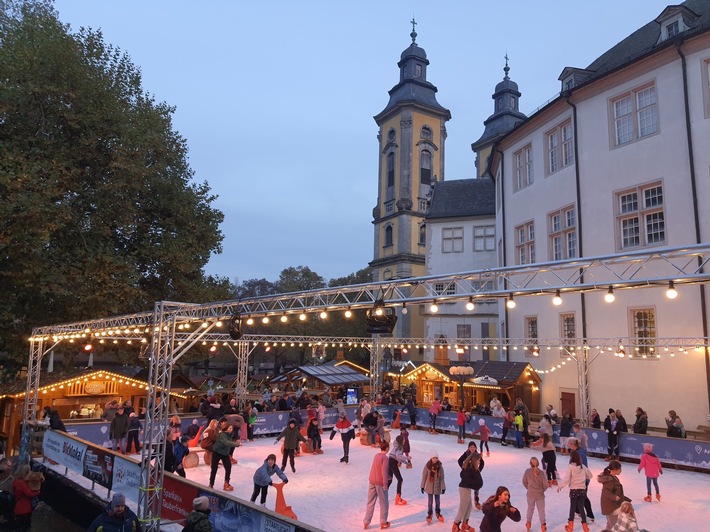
(331, 495)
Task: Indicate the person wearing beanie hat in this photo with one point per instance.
(434, 485)
(291, 435)
(134, 429)
(199, 518)
(652, 464)
(485, 434)
(116, 516)
(193, 429)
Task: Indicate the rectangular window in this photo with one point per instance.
(525, 245)
(445, 289)
(635, 115)
(484, 238)
(672, 29)
(531, 336)
(423, 204)
(523, 168)
(643, 332)
(568, 331)
(560, 147)
(563, 233)
(705, 75)
(452, 240)
(641, 217)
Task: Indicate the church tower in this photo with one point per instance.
(506, 115)
(412, 132)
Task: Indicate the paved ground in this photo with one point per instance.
(44, 519)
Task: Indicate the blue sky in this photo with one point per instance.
(276, 99)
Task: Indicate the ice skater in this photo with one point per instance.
(576, 478)
(377, 490)
(536, 485)
(497, 509)
(262, 478)
(485, 434)
(396, 457)
(471, 481)
(434, 485)
(653, 467)
(347, 433)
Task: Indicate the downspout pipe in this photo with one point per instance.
(503, 233)
(696, 214)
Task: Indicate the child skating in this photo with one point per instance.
(461, 424)
(653, 467)
(434, 485)
(485, 434)
(535, 483)
(262, 478)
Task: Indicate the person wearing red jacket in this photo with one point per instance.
(347, 433)
(461, 424)
(22, 513)
(377, 489)
(653, 469)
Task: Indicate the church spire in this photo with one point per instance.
(413, 35)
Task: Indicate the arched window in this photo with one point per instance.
(388, 236)
(390, 169)
(425, 167)
(422, 234)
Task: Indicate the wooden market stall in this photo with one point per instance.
(74, 393)
(507, 380)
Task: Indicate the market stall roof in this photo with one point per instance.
(327, 374)
(349, 364)
(504, 373)
(65, 377)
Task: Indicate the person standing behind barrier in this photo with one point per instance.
(119, 430)
(377, 490)
(291, 435)
(220, 453)
(536, 485)
(134, 429)
(675, 425)
(595, 420)
(641, 423)
(519, 405)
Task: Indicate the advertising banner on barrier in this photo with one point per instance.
(64, 450)
(177, 498)
(126, 477)
(98, 466)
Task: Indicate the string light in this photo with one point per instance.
(557, 300)
(511, 302)
(609, 297)
(671, 293)
(470, 305)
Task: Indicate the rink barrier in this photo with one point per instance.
(111, 471)
(676, 452)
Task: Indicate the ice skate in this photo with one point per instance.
(455, 528)
(570, 526)
(228, 487)
(487, 454)
(528, 525)
(658, 497)
(320, 451)
(440, 517)
(342, 459)
(648, 498)
(398, 500)
(543, 527)
(466, 528)
(428, 518)
(385, 525)
(585, 527)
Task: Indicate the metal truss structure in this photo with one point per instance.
(173, 328)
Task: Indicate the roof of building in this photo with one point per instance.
(646, 39)
(327, 374)
(463, 197)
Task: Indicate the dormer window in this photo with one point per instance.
(675, 20)
(672, 29)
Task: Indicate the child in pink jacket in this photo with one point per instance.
(653, 469)
(485, 434)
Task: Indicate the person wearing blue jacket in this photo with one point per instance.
(262, 478)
